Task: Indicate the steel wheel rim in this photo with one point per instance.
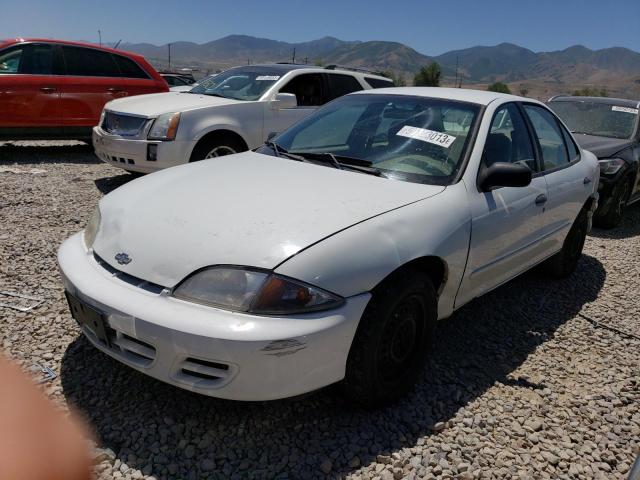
(401, 338)
(220, 151)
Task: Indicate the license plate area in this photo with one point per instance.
(88, 316)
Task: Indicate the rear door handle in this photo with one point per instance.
(47, 89)
(541, 199)
(114, 90)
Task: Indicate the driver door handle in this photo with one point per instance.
(47, 89)
(541, 199)
(114, 90)
(586, 181)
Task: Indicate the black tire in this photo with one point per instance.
(564, 263)
(613, 216)
(392, 341)
(224, 144)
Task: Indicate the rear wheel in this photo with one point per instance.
(392, 341)
(613, 216)
(564, 263)
(216, 146)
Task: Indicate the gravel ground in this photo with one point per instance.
(538, 379)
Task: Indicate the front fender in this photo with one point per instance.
(357, 259)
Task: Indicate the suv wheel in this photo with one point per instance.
(218, 146)
(613, 215)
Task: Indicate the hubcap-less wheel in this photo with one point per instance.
(622, 199)
(220, 151)
(401, 335)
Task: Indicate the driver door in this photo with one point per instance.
(507, 222)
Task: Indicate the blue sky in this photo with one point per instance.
(431, 27)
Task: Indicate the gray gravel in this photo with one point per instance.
(539, 379)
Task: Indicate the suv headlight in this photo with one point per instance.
(165, 127)
(91, 230)
(254, 291)
(611, 166)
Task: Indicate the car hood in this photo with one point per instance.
(246, 209)
(156, 104)
(601, 147)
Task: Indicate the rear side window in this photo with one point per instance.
(87, 62)
(340, 85)
(37, 59)
(10, 60)
(378, 83)
(308, 89)
(129, 68)
(550, 138)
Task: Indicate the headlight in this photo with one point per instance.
(91, 230)
(101, 118)
(254, 291)
(165, 127)
(611, 166)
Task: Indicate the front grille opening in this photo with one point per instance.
(204, 372)
(207, 363)
(202, 376)
(133, 349)
(130, 161)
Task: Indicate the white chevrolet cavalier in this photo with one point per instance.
(329, 253)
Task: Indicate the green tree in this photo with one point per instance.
(591, 92)
(499, 87)
(524, 90)
(428, 76)
(319, 63)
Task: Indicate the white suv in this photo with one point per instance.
(232, 112)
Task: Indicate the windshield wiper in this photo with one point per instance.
(279, 151)
(352, 163)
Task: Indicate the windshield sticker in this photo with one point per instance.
(625, 109)
(430, 136)
(271, 78)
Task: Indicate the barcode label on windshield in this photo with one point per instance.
(625, 109)
(271, 78)
(430, 136)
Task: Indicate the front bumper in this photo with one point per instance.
(132, 153)
(234, 355)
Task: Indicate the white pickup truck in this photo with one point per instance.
(328, 254)
(228, 113)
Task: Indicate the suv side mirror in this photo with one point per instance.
(502, 174)
(284, 100)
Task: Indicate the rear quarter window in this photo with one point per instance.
(378, 82)
(129, 68)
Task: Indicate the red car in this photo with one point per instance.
(53, 89)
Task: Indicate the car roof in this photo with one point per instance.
(283, 68)
(72, 43)
(620, 102)
(481, 97)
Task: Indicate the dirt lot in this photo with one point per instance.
(539, 379)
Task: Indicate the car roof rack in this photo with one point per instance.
(356, 69)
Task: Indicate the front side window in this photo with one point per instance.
(10, 60)
(243, 83)
(308, 89)
(549, 135)
(88, 62)
(37, 59)
(508, 139)
(596, 118)
(409, 138)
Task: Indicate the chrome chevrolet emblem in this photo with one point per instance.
(122, 258)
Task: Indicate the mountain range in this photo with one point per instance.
(616, 69)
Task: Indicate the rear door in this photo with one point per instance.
(567, 177)
(29, 88)
(134, 80)
(92, 78)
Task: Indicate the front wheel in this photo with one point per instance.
(217, 146)
(564, 263)
(393, 338)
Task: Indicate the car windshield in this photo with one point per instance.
(243, 83)
(410, 138)
(594, 118)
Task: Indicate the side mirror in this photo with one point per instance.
(284, 100)
(271, 136)
(502, 174)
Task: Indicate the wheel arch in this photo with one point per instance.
(433, 266)
(219, 133)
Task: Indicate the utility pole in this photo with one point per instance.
(100, 37)
(306, 60)
(456, 84)
(169, 45)
(293, 59)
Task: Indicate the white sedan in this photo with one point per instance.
(328, 254)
